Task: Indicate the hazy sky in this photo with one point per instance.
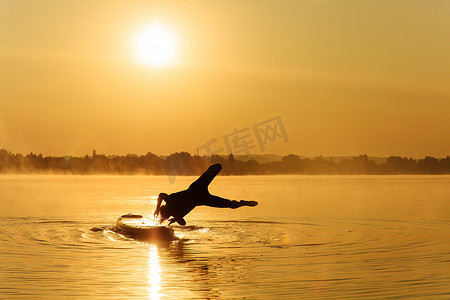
(346, 77)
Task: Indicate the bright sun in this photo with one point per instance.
(155, 45)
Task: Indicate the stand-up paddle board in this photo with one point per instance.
(140, 228)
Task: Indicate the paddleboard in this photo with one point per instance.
(141, 228)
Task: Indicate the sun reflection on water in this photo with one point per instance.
(153, 200)
(154, 274)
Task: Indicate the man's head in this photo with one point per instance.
(164, 212)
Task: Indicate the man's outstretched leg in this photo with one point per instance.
(215, 201)
(205, 179)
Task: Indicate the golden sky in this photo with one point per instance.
(346, 77)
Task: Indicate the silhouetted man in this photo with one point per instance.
(181, 203)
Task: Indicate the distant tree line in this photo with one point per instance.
(183, 163)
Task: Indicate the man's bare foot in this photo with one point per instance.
(248, 203)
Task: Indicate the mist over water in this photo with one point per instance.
(320, 237)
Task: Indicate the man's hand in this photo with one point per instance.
(180, 221)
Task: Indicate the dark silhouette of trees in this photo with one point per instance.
(430, 165)
(292, 164)
(183, 163)
(445, 162)
(399, 165)
(180, 163)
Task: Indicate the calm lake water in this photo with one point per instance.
(311, 237)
